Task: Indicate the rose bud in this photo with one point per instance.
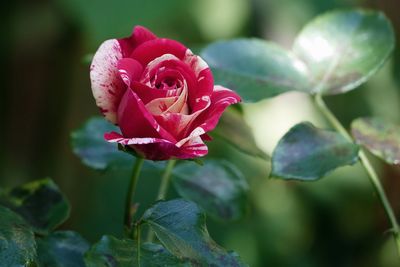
(159, 93)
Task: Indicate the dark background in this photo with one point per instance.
(45, 94)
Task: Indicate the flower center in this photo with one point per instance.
(168, 83)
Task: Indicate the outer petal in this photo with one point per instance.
(139, 35)
(193, 148)
(220, 99)
(161, 149)
(114, 137)
(204, 79)
(135, 121)
(107, 86)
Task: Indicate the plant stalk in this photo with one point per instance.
(130, 209)
(162, 191)
(367, 166)
(138, 239)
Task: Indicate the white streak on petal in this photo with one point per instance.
(196, 63)
(125, 77)
(195, 133)
(107, 86)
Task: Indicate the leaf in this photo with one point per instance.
(255, 69)
(180, 226)
(218, 187)
(110, 251)
(379, 136)
(308, 153)
(17, 242)
(342, 49)
(155, 255)
(234, 129)
(88, 144)
(61, 249)
(40, 203)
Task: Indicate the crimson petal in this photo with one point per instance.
(139, 35)
(152, 49)
(136, 122)
(220, 99)
(130, 70)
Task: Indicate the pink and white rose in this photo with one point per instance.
(159, 93)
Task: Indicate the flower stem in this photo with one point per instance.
(137, 226)
(162, 191)
(367, 166)
(129, 208)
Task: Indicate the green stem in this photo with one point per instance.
(162, 191)
(367, 166)
(129, 208)
(138, 243)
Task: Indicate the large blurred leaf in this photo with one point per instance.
(180, 226)
(342, 49)
(17, 242)
(88, 143)
(309, 153)
(234, 129)
(40, 203)
(218, 187)
(255, 69)
(61, 249)
(110, 251)
(379, 136)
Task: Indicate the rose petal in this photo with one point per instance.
(152, 49)
(147, 93)
(160, 105)
(193, 148)
(175, 104)
(220, 99)
(139, 35)
(114, 137)
(178, 124)
(107, 86)
(135, 121)
(206, 137)
(169, 62)
(130, 70)
(204, 78)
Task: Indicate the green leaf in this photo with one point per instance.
(218, 187)
(234, 129)
(342, 49)
(180, 226)
(110, 251)
(61, 249)
(255, 69)
(155, 255)
(40, 203)
(88, 143)
(308, 153)
(379, 136)
(17, 242)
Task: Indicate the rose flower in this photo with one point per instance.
(159, 93)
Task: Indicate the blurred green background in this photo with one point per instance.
(45, 94)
